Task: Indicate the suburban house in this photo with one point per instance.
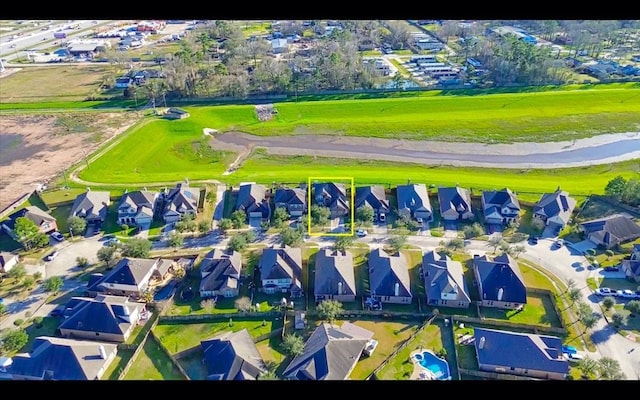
(281, 270)
(176, 113)
(123, 82)
(107, 318)
(334, 276)
(92, 206)
(525, 354)
(220, 274)
(500, 207)
(610, 231)
(455, 203)
(631, 266)
(294, 200)
(389, 277)
(43, 220)
(500, 282)
(334, 196)
(8, 261)
(61, 359)
(279, 46)
(330, 354)
(253, 199)
(179, 201)
(413, 202)
(138, 208)
(130, 277)
(232, 356)
(375, 198)
(554, 209)
(444, 281)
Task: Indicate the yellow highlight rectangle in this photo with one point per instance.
(352, 203)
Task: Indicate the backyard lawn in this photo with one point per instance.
(153, 364)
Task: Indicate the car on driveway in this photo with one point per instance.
(626, 294)
(533, 240)
(112, 242)
(57, 236)
(558, 243)
(605, 291)
(611, 269)
(361, 232)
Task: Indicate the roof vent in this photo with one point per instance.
(103, 352)
(481, 343)
(500, 293)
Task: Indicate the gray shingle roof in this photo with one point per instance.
(330, 353)
(332, 194)
(62, 359)
(281, 263)
(501, 273)
(232, 356)
(557, 204)
(103, 314)
(612, 230)
(372, 196)
(33, 213)
(333, 270)
(219, 268)
(412, 197)
(385, 271)
(454, 198)
(139, 199)
(91, 205)
(129, 271)
(526, 351)
(501, 199)
(443, 275)
(252, 197)
(182, 198)
(290, 196)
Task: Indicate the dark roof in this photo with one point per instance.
(182, 198)
(252, 197)
(290, 196)
(330, 353)
(232, 356)
(556, 204)
(385, 271)
(454, 198)
(33, 213)
(91, 204)
(525, 351)
(62, 359)
(218, 268)
(612, 230)
(335, 194)
(501, 273)
(501, 199)
(103, 314)
(281, 263)
(413, 197)
(128, 271)
(138, 198)
(333, 270)
(372, 196)
(442, 275)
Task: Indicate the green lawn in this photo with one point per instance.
(153, 364)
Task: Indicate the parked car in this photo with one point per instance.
(57, 236)
(605, 291)
(52, 256)
(533, 240)
(627, 294)
(361, 232)
(558, 243)
(112, 242)
(611, 269)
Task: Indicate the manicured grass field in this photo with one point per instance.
(153, 364)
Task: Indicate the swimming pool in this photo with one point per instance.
(438, 367)
(166, 292)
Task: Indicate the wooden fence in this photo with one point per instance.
(138, 346)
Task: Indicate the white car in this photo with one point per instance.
(57, 236)
(52, 256)
(361, 232)
(605, 291)
(627, 294)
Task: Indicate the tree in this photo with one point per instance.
(588, 366)
(175, 239)
(25, 230)
(106, 255)
(204, 226)
(137, 248)
(616, 187)
(82, 262)
(291, 237)
(570, 284)
(342, 243)
(455, 244)
(225, 224)
(243, 304)
(398, 242)
(28, 282)
(14, 340)
(17, 273)
(494, 241)
(609, 369)
(518, 249)
(279, 217)
(3, 308)
(319, 215)
(208, 305)
(37, 276)
(506, 248)
(329, 309)
(293, 344)
(249, 236)
(619, 319)
(238, 218)
(633, 306)
(589, 321)
(53, 284)
(473, 230)
(364, 214)
(147, 296)
(574, 294)
(76, 225)
(237, 242)
(608, 302)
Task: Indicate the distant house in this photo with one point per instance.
(232, 356)
(334, 276)
(413, 202)
(389, 277)
(500, 207)
(45, 222)
(176, 113)
(8, 261)
(179, 201)
(294, 200)
(253, 199)
(220, 274)
(130, 277)
(61, 359)
(330, 354)
(611, 231)
(333, 196)
(279, 46)
(455, 203)
(107, 318)
(138, 208)
(375, 198)
(92, 206)
(555, 209)
(444, 281)
(123, 82)
(526, 354)
(631, 267)
(281, 270)
(500, 282)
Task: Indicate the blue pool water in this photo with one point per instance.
(435, 364)
(165, 292)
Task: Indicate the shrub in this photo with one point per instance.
(18, 322)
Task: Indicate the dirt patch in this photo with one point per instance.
(265, 112)
(37, 148)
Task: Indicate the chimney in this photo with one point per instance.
(481, 343)
(103, 352)
(339, 288)
(500, 293)
(397, 289)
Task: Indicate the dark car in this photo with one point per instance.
(533, 240)
(611, 269)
